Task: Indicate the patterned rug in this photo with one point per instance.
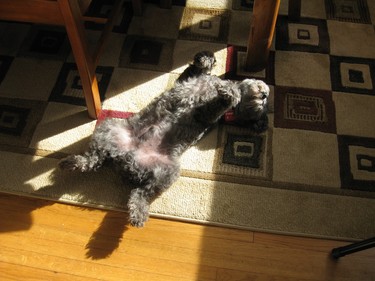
(311, 173)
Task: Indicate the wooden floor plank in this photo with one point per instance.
(16, 272)
(85, 268)
(36, 236)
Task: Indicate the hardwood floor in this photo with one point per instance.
(41, 240)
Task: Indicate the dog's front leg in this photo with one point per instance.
(211, 112)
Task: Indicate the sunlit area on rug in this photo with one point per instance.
(67, 140)
(39, 181)
(143, 85)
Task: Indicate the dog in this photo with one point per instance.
(202, 64)
(146, 147)
(241, 115)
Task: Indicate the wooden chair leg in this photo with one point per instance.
(261, 33)
(74, 26)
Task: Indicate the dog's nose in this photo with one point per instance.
(264, 95)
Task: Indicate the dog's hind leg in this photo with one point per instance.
(160, 179)
(89, 161)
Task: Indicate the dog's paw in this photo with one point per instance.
(137, 219)
(205, 60)
(138, 208)
(136, 223)
(228, 96)
(69, 163)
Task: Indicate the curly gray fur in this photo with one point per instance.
(146, 147)
(203, 63)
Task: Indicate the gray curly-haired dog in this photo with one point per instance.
(147, 146)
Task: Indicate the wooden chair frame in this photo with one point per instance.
(71, 15)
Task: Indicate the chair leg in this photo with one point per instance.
(261, 33)
(77, 36)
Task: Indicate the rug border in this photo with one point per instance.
(185, 220)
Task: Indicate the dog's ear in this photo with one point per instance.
(245, 86)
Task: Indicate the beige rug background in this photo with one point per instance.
(298, 189)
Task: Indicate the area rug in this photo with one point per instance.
(312, 173)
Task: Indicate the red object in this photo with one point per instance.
(229, 117)
(112, 114)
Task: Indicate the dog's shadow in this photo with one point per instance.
(103, 189)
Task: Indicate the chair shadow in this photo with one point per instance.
(20, 210)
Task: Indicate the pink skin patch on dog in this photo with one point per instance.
(148, 156)
(124, 139)
(146, 153)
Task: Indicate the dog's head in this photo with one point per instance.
(254, 99)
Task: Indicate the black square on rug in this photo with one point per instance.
(353, 75)
(18, 120)
(240, 152)
(306, 109)
(357, 162)
(68, 87)
(150, 53)
(351, 11)
(46, 42)
(243, 150)
(306, 35)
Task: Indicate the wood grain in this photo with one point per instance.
(42, 240)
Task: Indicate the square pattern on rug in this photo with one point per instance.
(205, 25)
(18, 120)
(68, 87)
(235, 66)
(352, 11)
(243, 153)
(357, 162)
(353, 75)
(306, 109)
(306, 35)
(46, 42)
(148, 53)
